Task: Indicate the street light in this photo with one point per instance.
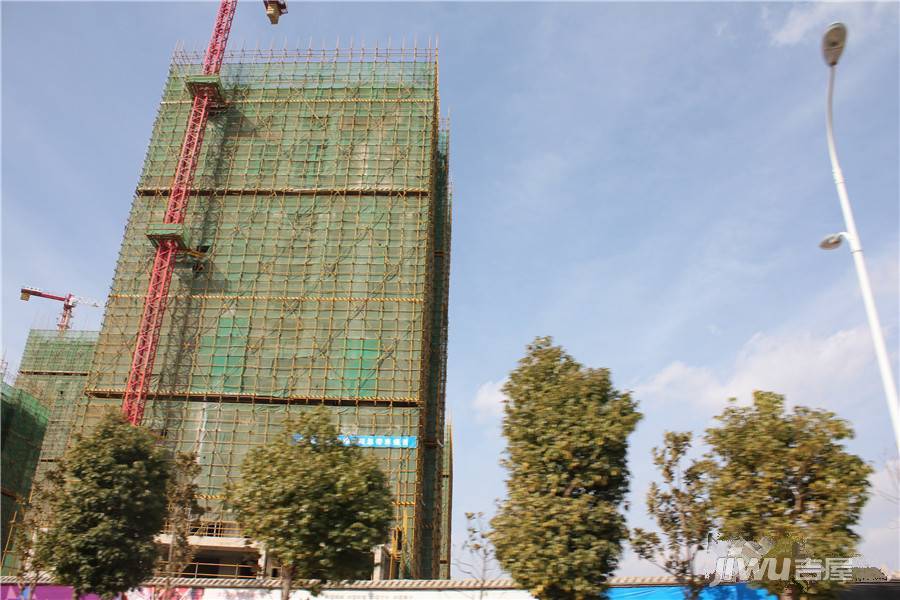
(832, 241)
(833, 43)
(832, 47)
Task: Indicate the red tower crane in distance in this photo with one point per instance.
(207, 92)
(69, 301)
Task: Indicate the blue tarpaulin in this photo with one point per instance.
(740, 591)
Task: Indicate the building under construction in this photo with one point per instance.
(24, 423)
(313, 271)
(38, 416)
(54, 369)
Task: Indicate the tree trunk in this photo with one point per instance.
(287, 576)
(789, 593)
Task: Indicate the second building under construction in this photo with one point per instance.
(314, 272)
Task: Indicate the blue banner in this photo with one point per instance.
(402, 442)
(379, 441)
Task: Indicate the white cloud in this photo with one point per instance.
(679, 382)
(806, 21)
(489, 400)
(808, 365)
(815, 370)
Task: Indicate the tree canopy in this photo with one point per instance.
(478, 559)
(317, 505)
(184, 511)
(787, 477)
(559, 532)
(105, 511)
(681, 509)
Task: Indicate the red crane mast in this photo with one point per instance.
(207, 94)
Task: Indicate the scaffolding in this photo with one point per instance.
(49, 385)
(314, 271)
(446, 503)
(24, 422)
(54, 370)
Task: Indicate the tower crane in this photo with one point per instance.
(207, 92)
(69, 301)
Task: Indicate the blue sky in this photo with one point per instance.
(645, 182)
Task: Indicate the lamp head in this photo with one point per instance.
(832, 241)
(274, 9)
(833, 43)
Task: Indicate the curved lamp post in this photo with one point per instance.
(832, 46)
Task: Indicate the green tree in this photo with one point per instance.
(183, 514)
(318, 506)
(559, 531)
(479, 559)
(786, 477)
(683, 512)
(110, 504)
